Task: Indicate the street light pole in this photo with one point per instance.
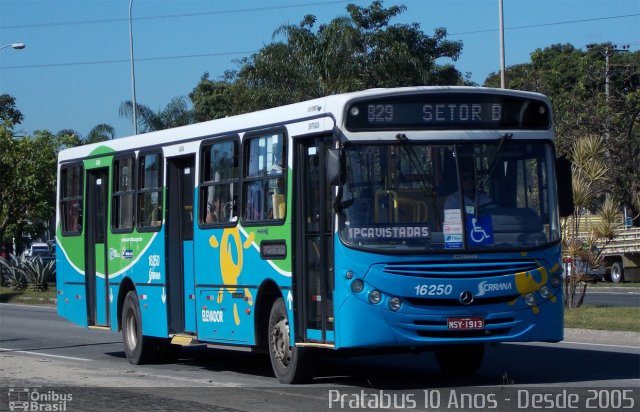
(133, 73)
(17, 46)
(502, 69)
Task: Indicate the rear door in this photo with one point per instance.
(97, 282)
(179, 243)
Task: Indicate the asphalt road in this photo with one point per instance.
(38, 349)
(612, 296)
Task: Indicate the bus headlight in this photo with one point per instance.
(357, 285)
(530, 299)
(556, 281)
(375, 297)
(395, 303)
(545, 292)
(349, 274)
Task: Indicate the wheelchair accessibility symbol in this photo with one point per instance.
(480, 230)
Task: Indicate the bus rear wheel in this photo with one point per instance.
(460, 360)
(288, 362)
(139, 349)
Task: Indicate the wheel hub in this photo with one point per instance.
(131, 329)
(280, 342)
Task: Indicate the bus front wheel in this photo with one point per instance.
(288, 362)
(139, 349)
(460, 360)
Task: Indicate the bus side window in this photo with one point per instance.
(219, 183)
(123, 194)
(150, 191)
(71, 198)
(264, 178)
(72, 216)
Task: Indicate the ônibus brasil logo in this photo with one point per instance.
(25, 399)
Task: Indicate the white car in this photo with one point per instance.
(592, 274)
(41, 250)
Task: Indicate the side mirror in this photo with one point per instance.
(565, 187)
(335, 167)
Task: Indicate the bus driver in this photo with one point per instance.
(470, 192)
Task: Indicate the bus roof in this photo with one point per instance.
(333, 106)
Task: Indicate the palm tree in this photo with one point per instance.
(175, 114)
(68, 138)
(71, 138)
(100, 133)
(580, 242)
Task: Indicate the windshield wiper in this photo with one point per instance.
(413, 158)
(494, 164)
(490, 170)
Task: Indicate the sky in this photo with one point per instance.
(75, 70)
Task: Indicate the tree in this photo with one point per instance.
(10, 117)
(71, 138)
(9, 114)
(218, 99)
(622, 128)
(28, 174)
(68, 138)
(574, 80)
(175, 114)
(100, 133)
(582, 246)
(359, 51)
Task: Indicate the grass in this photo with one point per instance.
(8, 295)
(603, 318)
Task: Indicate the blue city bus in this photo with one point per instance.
(422, 218)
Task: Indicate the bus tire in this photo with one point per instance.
(460, 360)
(288, 362)
(139, 349)
(617, 272)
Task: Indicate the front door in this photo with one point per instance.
(179, 243)
(97, 282)
(314, 255)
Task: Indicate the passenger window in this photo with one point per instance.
(123, 194)
(71, 200)
(150, 191)
(264, 179)
(219, 185)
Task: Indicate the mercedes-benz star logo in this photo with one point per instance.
(466, 297)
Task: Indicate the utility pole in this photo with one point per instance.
(607, 51)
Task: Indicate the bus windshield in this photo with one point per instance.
(466, 196)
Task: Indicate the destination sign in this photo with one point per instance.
(394, 232)
(273, 249)
(449, 111)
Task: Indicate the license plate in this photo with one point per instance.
(472, 323)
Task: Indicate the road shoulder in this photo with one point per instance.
(603, 337)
